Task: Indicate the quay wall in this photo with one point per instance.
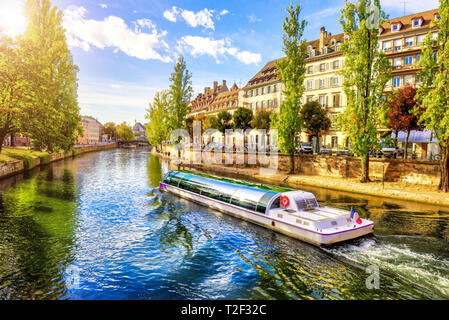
(390, 170)
(15, 167)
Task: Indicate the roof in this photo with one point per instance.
(270, 73)
(227, 96)
(427, 16)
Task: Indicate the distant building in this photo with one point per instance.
(91, 130)
(203, 101)
(225, 101)
(140, 132)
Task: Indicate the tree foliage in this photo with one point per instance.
(125, 132)
(242, 118)
(53, 122)
(315, 119)
(224, 121)
(210, 122)
(157, 114)
(110, 129)
(180, 92)
(262, 120)
(292, 70)
(366, 73)
(433, 92)
(401, 106)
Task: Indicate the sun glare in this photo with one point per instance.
(12, 21)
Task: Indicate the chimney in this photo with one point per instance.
(224, 83)
(215, 85)
(323, 35)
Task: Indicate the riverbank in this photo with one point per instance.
(402, 190)
(17, 160)
(395, 190)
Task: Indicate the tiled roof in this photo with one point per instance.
(407, 22)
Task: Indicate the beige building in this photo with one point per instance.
(264, 90)
(324, 84)
(225, 101)
(200, 106)
(91, 130)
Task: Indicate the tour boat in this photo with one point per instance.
(291, 212)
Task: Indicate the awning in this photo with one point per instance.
(425, 136)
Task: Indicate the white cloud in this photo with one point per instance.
(411, 6)
(201, 18)
(197, 46)
(252, 18)
(103, 5)
(170, 15)
(223, 12)
(114, 32)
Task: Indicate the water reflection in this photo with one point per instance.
(102, 216)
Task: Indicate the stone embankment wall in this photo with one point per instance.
(14, 167)
(392, 170)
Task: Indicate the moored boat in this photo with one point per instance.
(294, 213)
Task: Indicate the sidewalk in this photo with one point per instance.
(396, 190)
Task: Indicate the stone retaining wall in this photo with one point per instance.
(11, 168)
(392, 170)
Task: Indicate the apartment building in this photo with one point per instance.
(323, 82)
(401, 40)
(91, 130)
(225, 101)
(202, 103)
(264, 90)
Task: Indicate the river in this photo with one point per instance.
(96, 227)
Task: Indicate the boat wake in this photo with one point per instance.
(403, 261)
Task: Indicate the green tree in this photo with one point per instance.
(125, 132)
(180, 93)
(315, 120)
(14, 88)
(157, 127)
(292, 70)
(54, 121)
(433, 92)
(210, 122)
(110, 129)
(262, 120)
(366, 73)
(242, 118)
(224, 121)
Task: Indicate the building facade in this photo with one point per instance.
(264, 90)
(225, 101)
(140, 132)
(202, 103)
(91, 130)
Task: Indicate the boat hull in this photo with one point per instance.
(284, 227)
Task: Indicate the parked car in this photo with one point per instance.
(213, 146)
(305, 148)
(326, 151)
(390, 151)
(343, 153)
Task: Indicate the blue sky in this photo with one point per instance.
(126, 49)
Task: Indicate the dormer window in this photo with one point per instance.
(395, 27)
(417, 22)
(381, 30)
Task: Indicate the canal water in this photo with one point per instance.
(95, 227)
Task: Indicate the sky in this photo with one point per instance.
(126, 49)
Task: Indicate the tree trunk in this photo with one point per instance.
(2, 139)
(365, 168)
(444, 181)
(318, 143)
(406, 144)
(292, 162)
(12, 139)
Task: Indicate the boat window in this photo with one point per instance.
(276, 203)
(245, 203)
(263, 202)
(174, 179)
